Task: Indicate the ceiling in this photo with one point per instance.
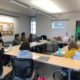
(67, 6)
(7, 6)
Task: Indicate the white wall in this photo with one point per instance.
(21, 24)
(44, 25)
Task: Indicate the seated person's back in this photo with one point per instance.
(74, 51)
(78, 41)
(24, 51)
(16, 40)
(30, 39)
(1, 40)
(66, 38)
(1, 57)
(23, 38)
(44, 37)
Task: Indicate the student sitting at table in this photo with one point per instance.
(1, 59)
(16, 40)
(5, 58)
(71, 38)
(30, 39)
(24, 51)
(23, 38)
(78, 41)
(1, 38)
(74, 51)
(66, 38)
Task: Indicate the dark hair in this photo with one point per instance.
(1, 41)
(31, 35)
(72, 44)
(16, 35)
(25, 46)
(0, 34)
(23, 34)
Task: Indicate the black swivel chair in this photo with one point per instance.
(22, 68)
(59, 75)
(52, 47)
(44, 37)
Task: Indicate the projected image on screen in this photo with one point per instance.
(58, 24)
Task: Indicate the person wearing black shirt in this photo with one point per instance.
(5, 58)
(16, 40)
(1, 38)
(1, 57)
(30, 39)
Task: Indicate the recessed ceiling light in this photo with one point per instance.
(47, 5)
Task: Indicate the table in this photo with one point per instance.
(41, 42)
(33, 44)
(38, 46)
(52, 60)
(6, 71)
(65, 49)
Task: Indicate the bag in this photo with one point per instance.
(41, 78)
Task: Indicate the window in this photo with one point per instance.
(33, 26)
(59, 24)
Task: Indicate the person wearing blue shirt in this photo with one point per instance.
(24, 51)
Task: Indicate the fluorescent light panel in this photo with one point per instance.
(47, 5)
(19, 3)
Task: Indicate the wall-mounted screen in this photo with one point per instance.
(59, 24)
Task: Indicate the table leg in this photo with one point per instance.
(69, 74)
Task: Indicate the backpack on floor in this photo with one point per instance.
(41, 78)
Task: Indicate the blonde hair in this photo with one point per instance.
(73, 44)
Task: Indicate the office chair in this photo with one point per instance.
(37, 39)
(44, 37)
(52, 47)
(59, 75)
(22, 68)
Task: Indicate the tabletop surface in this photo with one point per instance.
(52, 60)
(6, 71)
(41, 42)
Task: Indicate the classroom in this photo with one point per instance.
(39, 39)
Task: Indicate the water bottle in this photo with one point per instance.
(59, 51)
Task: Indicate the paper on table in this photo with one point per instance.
(43, 58)
(7, 50)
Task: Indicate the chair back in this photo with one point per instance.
(22, 68)
(52, 47)
(59, 75)
(44, 37)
